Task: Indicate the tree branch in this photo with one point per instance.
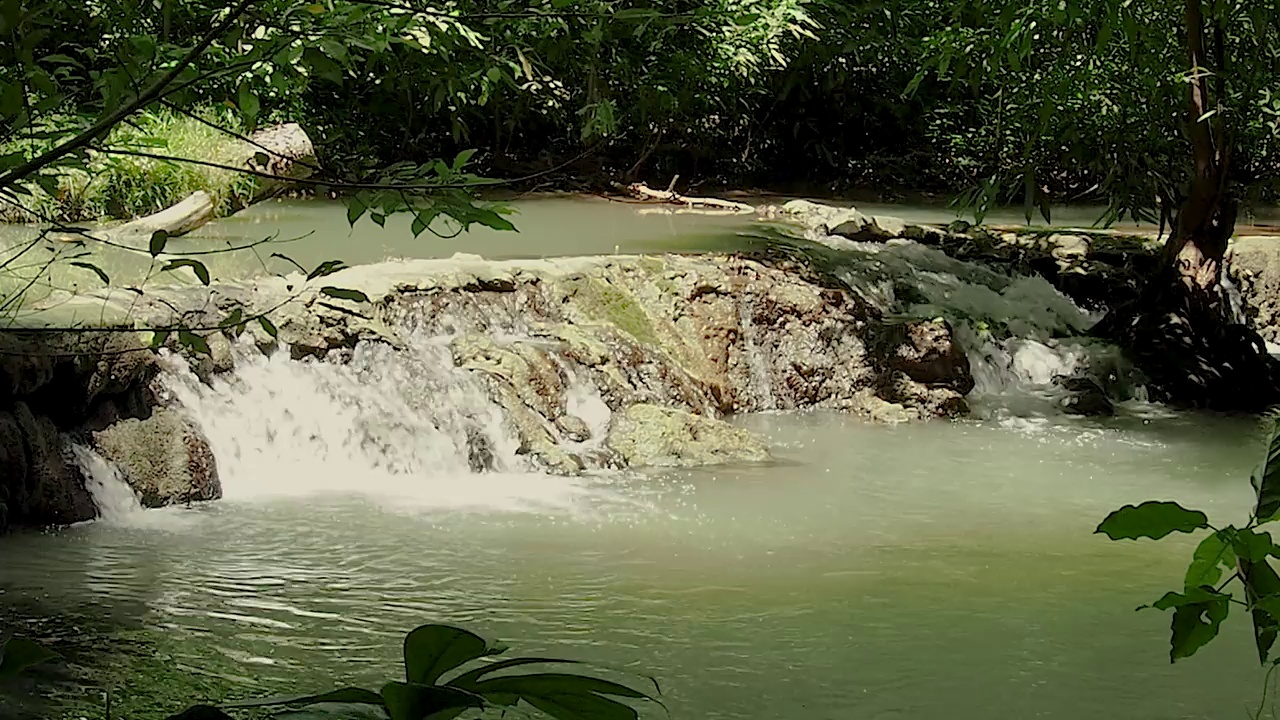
(111, 119)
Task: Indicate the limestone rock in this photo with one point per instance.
(648, 435)
(164, 458)
(927, 353)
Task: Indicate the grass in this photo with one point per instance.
(120, 187)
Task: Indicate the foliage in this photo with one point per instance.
(1242, 554)
(127, 186)
(450, 671)
(1078, 97)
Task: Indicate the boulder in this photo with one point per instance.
(164, 458)
(39, 485)
(648, 435)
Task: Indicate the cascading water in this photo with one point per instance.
(1021, 334)
(403, 426)
(114, 499)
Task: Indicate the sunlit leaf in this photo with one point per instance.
(1212, 555)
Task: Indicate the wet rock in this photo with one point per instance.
(39, 484)
(573, 428)
(1087, 397)
(164, 458)
(927, 353)
(648, 435)
(480, 456)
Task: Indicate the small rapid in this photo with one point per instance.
(1022, 336)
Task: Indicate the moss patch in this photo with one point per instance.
(603, 301)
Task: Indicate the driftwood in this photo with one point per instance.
(641, 191)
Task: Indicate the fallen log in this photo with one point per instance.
(641, 191)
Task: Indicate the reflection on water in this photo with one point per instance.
(932, 571)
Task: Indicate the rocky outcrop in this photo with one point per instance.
(1096, 269)
(671, 342)
(59, 388)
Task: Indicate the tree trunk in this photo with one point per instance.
(1184, 332)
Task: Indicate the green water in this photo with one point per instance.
(928, 571)
(942, 570)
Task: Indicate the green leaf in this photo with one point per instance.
(489, 218)
(96, 271)
(355, 208)
(351, 695)
(462, 159)
(248, 102)
(1266, 477)
(410, 701)
(378, 218)
(159, 337)
(1252, 546)
(345, 294)
(19, 654)
(234, 321)
(267, 326)
(1212, 555)
(422, 221)
(1195, 624)
(289, 260)
(193, 341)
(202, 272)
(327, 267)
(1151, 519)
(158, 240)
(1191, 596)
(1260, 581)
(432, 650)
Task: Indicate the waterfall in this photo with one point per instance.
(114, 499)
(404, 426)
(760, 382)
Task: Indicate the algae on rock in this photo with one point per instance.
(651, 436)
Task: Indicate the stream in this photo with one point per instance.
(943, 570)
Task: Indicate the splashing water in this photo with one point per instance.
(1020, 333)
(115, 501)
(397, 426)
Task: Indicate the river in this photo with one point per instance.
(939, 570)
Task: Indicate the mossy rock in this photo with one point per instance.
(164, 458)
(648, 435)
